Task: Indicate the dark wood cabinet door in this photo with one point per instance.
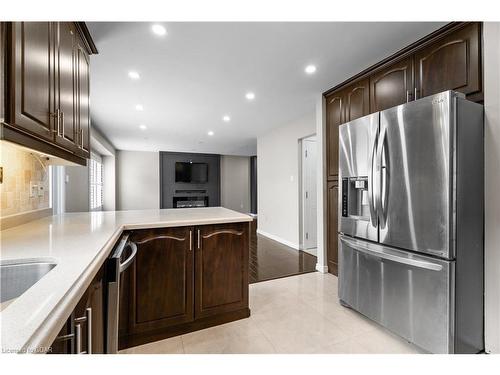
(66, 93)
(221, 270)
(89, 318)
(3, 51)
(334, 117)
(451, 63)
(392, 85)
(357, 100)
(31, 99)
(332, 227)
(65, 340)
(83, 107)
(162, 278)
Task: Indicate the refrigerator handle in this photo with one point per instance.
(379, 252)
(382, 175)
(371, 189)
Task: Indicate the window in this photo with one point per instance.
(96, 198)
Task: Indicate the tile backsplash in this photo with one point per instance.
(20, 170)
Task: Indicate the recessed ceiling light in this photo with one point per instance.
(310, 69)
(134, 75)
(210, 133)
(226, 118)
(143, 127)
(159, 29)
(139, 107)
(250, 95)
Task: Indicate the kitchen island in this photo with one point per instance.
(80, 243)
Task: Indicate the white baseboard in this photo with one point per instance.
(322, 269)
(278, 239)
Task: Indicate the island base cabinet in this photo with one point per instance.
(184, 279)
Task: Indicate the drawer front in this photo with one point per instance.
(410, 295)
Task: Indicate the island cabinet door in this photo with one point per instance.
(162, 278)
(89, 318)
(221, 268)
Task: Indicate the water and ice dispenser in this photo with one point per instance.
(355, 197)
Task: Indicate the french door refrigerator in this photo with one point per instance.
(411, 221)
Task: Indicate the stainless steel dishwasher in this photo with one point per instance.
(120, 260)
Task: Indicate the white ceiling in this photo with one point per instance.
(199, 72)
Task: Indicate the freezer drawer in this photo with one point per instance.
(409, 294)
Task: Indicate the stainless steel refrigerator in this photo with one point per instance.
(411, 221)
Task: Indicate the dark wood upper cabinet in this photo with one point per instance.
(357, 100)
(3, 48)
(83, 101)
(162, 278)
(31, 105)
(46, 71)
(334, 117)
(451, 63)
(66, 102)
(332, 225)
(221, 269)
(392, 85)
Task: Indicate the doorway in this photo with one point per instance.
(308, 194)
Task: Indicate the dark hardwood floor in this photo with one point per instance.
(271, 260)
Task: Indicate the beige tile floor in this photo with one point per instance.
(298, 314)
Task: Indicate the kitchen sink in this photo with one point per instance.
(17, 276)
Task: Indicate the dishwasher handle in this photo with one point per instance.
(125, 243)
(126, 264)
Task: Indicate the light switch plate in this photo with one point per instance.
(33, 189)
(41, 189)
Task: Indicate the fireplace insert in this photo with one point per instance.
(187, 202)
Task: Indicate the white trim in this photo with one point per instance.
(321, 181)
(321, 268)
(302, 201)
(294, 246)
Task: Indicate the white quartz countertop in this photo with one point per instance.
(79, 243)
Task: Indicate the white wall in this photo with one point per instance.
(137, 180)
(492, 184)
(109, 182)
(76, 180)
(278, 180)
(76, 189)
(235, 182)
(103, 147)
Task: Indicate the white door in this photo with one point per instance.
(309, 192)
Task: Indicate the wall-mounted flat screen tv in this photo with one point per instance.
(191, 173)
